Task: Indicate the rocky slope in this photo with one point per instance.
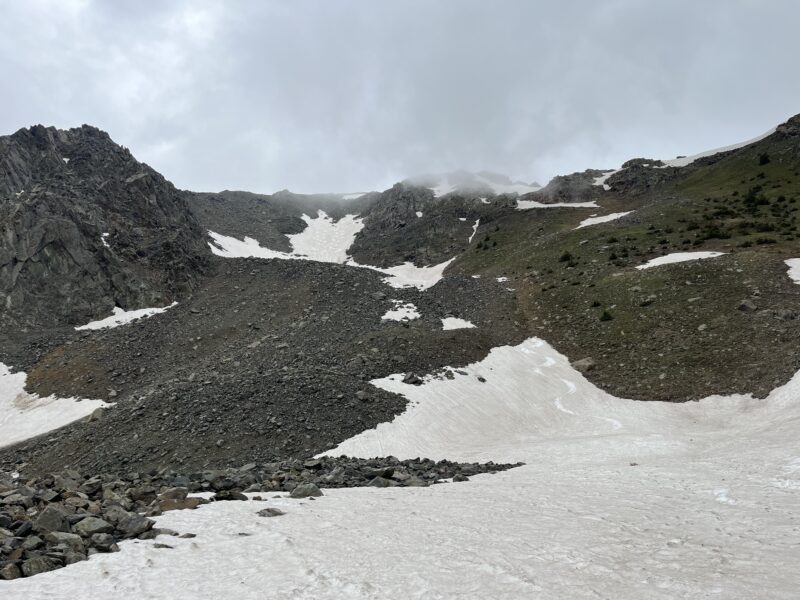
(267, 359)
(86, 227)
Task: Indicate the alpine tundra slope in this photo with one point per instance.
(630, 336)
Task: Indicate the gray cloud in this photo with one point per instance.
(354, 95)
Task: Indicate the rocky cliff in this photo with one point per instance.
(84, 226)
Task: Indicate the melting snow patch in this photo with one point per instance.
(449, 323)
(677, 257)
(322, 240)
(103, 239)
(794, 269)
(528, 204)
(121, 317)
(474, 231)
(409, 275)
(401, 312)
(687, 160)
(601, 180)
(66, 160)
(602, 219)
(419, 214)
(23, 415)
(502, 279)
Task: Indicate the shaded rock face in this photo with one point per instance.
(84, 226)
(393, 232)
(576, 187)
(791, 127)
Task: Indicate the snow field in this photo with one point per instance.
(618, 499)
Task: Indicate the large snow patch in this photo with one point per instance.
(326, 240)
(24, 415)
(619, 499)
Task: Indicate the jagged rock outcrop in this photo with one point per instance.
(84, 226)
(408, 223)
(791, 127)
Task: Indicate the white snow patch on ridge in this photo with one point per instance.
(794, 269)
(602, 219)
(528, 204)
(678, 257)
(687, 160)
(23, 415)
(449, 323)
(601, 180)
(401, 312)
(122, 317)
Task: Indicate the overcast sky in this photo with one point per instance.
(344, 96)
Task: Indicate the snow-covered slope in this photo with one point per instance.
(618, 499)
(24, 415)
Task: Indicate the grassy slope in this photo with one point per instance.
(675, 332)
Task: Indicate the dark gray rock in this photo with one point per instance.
(92, 525)
(306, 490)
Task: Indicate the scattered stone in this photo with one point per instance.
(270, 512)
(584, 365)
(747, 306)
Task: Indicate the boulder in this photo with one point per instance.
(306, 490)
(91, 525)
